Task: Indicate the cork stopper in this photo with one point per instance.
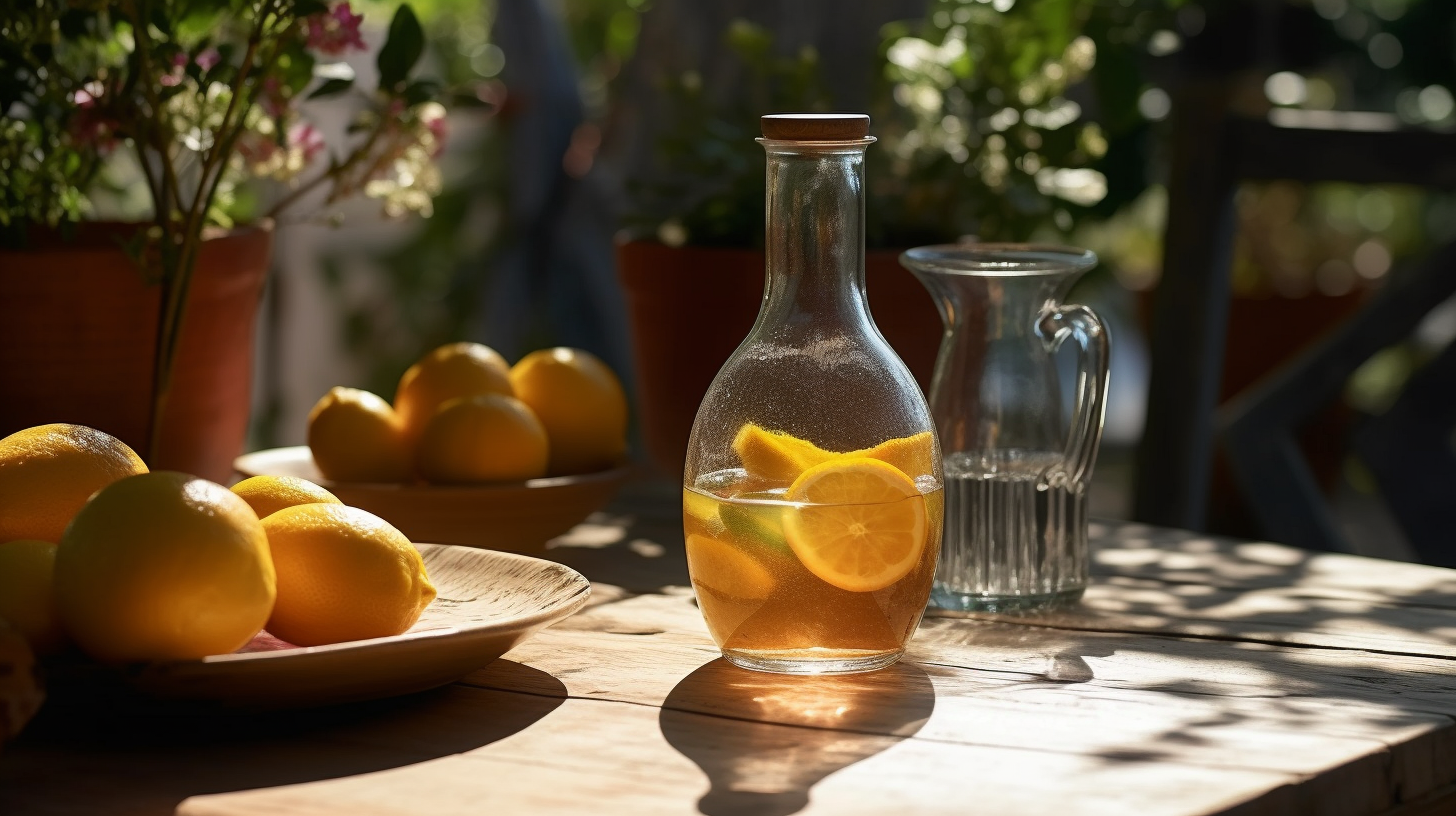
(815, 127)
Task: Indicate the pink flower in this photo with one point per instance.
(438, 131)
(271, 97)
(335, 31)
(208, 58)
(306, 139)
(256, 148)
(91, 126)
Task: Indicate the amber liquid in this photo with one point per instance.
(765, 609)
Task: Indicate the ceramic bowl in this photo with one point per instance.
(512, 516)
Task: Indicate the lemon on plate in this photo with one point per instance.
(269, 494)
(861, 524)
(449, 372)
(489, 438)
(27, 593)
(164, 566)
(581, 404)
(355, 436)
(21, 693)
(48, 472)
(343, 574)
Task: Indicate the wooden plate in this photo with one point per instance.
(513, 517)
(488, 602)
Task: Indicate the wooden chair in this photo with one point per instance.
(1212, 152)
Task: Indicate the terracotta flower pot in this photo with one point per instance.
(78, 336)
(690, 307)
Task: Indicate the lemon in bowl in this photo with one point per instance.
(486, 438)
(449, 372)
(581, 404)
(356, 436)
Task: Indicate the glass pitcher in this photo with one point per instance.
(812, 493)
(1016, 483)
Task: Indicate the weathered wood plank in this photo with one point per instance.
(601, 756)
(1217, 703)
(86, 762)
(1274, 615)
(1177, 556)
(1437, 803)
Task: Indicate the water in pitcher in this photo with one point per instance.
(1015, 533)
(1015, 474)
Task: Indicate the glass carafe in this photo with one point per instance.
(812, 494)
(1016, 482)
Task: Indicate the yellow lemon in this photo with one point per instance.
(774, 456)
(702, 512)
(727, 569)
(164, 566)
(48, 472)
(356, 437)
(27, 592)
(581, 404)
(449, 372)
(862, 524)
(482, 439)
(269, 494)
(913, 455)
(343, 574)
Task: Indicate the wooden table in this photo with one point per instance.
(1202, 676)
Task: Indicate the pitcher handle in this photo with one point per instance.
(1057, 323)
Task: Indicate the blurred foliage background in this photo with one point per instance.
(1003, 119)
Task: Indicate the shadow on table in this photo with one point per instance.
(73, 747)
(731, 722)
(1263, 647)
(638, 552)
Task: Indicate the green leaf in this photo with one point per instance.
(420, 91)
(74, 22)
(465, 98)
(162, 22)
(402, 49)
(296, 68)
(308, 8)
(333, 87)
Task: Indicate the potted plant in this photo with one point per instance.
(144, 329)
(979, 134)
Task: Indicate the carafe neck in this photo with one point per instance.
(815, 232)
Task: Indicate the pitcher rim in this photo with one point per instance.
(999, 259)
